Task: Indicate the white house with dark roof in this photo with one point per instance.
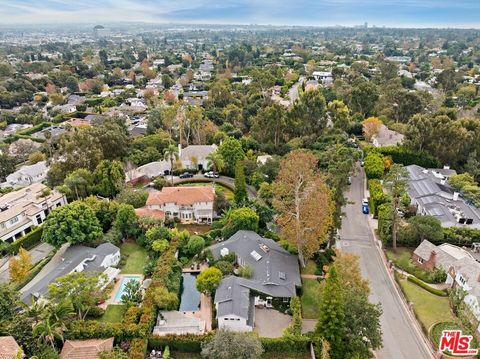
(275, 274)
(27, 175)
(76, 259)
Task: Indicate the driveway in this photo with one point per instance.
(38, 253)
(270, 322)
(223, 180)
(401, 337)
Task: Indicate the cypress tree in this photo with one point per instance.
(240, 193)
(331, 321)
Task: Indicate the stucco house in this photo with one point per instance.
(26, 208)
(275, 274)
(188, 204)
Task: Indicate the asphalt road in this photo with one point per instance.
(38, 253)
(401, 339)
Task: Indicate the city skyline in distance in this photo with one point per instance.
(390, 13)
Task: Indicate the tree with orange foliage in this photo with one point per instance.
(371, 127)
(20, 265)
(50, 88)
(303, 203)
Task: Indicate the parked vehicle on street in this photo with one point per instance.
(211, 174)
(365, 209)
(186, 175)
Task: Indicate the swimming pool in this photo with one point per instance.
(125, 280)
(190, 296)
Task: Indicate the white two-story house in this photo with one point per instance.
(26, 208)
(188, 204)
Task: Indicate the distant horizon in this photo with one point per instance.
(114, 23)
(415, 14)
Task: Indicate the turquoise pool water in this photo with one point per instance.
(125, 280)
(190, 296)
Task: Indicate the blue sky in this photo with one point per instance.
(402, 13)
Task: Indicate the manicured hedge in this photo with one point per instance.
(406, 157)
(374, 166)
(187, 343)
(286, 344)
(27, 241)
(461, 235)
(138, 349)
(377, 197)
(439, 292)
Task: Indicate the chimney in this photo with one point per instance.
(432, 257)
(455, 196)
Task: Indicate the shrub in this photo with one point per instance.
(406, 157)
(188, 343)
(385, 223)
(377, 197)
(27, 241)
(245, 271)
(439, 292)
(138, 348)
(374, 165)
(286, 344)
(225, 267)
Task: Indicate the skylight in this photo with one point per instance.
(255, 255)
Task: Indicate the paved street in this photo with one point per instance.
(401, 339)
(38, 253)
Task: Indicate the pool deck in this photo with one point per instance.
(116, 287)
(195, 270)
(204, 313)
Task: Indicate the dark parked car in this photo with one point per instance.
(365, 209)
(186, 175)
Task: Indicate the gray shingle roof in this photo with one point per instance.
(275, 272)
(71, 258)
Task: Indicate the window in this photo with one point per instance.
(14, 220)
(420, 260)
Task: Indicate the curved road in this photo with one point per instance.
(223, 180)
(401, 338)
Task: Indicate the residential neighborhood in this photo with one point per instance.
(249, 180)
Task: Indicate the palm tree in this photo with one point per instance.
(170, 154)
(215, 160)
(52, 326)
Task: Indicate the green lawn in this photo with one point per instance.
(193, 228)
(310, 268)
(310, 298)
(113, 313)
(428, 307)
(402, 254)
(137, 257)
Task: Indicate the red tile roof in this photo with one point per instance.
(8, 348)
(147, 212)
(85, 349)
(182, 195)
